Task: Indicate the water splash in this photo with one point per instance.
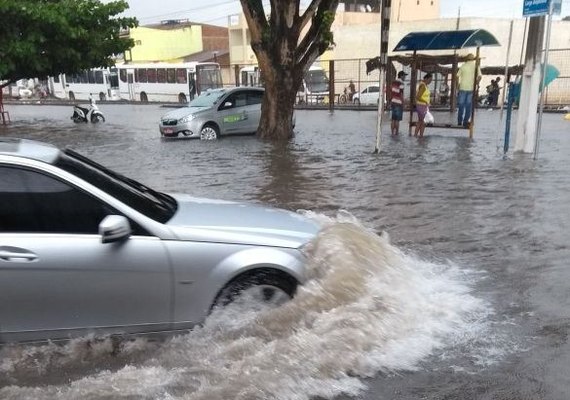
(367, 308)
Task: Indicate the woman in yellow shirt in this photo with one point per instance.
(422, 104)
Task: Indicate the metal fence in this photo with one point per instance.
(557, 94)
(341, 73)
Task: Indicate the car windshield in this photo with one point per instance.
(207, 99)
(156, 205)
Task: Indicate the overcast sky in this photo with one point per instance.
(216, 11)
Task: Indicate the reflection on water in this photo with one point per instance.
(472, 293)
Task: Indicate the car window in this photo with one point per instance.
(374, 89)
(365, 90)
(254, 97)
(238, 99)
(33, 202)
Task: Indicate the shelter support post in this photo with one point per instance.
(413, 83)
(453, 94)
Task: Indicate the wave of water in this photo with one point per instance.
(367, 308)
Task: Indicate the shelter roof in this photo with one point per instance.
(446, 40)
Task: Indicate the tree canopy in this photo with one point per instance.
(47, 37)
(286, 43)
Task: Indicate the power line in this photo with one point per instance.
(200, 8)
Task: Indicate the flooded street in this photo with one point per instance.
(441, 272)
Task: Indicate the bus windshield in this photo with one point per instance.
(317, 81)
(210, 77)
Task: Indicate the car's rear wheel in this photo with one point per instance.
(262, 287)
(357, 101)
(209, 132)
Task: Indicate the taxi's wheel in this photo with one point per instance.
(209, 132)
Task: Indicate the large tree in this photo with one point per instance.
(286, 43)
(39, 38)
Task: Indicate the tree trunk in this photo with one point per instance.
(278, 107)
(284, 55)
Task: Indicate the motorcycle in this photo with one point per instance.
(83, 114)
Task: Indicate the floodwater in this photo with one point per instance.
(442, 271)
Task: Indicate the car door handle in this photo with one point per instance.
(14, 256)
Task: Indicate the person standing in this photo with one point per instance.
(397, 102)
(496, 91)
(423, 97)
(466, 82)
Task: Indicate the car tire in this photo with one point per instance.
(209, 132)
(102, 96)
(144, 97)
(182, 98)
(271, 287)
(357, 101)
(71, 96)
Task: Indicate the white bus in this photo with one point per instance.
(100, 83)
(179, 82)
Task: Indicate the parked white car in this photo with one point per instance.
(369, 95)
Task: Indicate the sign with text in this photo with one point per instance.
(533, 8)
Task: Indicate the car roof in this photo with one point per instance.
(29, 149)
(258, 88)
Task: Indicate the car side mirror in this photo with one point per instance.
(228, 104)
(114, 228)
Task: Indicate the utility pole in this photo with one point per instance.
(531, 77)
(384, 37)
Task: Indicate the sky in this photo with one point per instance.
(216, 12)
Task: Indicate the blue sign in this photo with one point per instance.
(533, 8)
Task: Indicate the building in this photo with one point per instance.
(178, 41)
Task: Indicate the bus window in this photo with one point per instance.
(56, 79)
(141, 75)
(99, 77)
(90, 77)
(151, 74)
(160, 75)
(123, 75)
(171, 75)
(181, 76)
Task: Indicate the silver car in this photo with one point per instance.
(84, 250)
(216, 112)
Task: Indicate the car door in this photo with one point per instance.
(233, 113)
(254, 100)
(373, 94)
(57, 279)
(366, 95)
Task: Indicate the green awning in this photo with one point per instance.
(446, 40)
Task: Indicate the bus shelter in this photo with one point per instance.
(443, 40)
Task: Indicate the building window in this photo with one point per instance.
(138, 42)
(432, 2)
(418, 2)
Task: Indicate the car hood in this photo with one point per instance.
(210, 220)
(184, 111)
